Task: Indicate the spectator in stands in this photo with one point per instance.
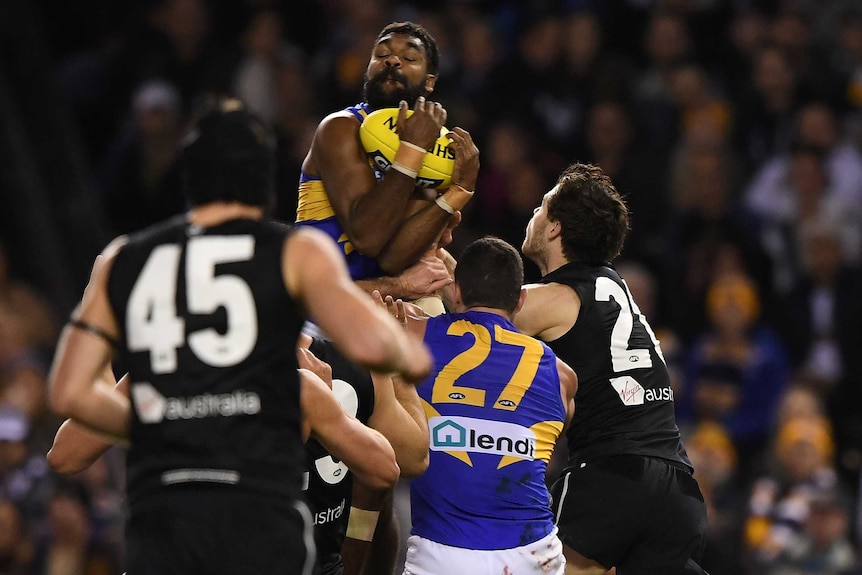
(716, 468)
(780, 499)
(16, 542)
(824, 546)
(24, 475)
(139, 177)
(735, 371)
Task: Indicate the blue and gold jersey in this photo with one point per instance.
(494, 414)
(314, 209)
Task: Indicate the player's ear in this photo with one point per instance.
(430, 82)
(457, 302)
(521, 299)
(554, 230)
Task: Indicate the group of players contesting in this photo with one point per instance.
(278, 379)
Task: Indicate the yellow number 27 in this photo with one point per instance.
(445, 390)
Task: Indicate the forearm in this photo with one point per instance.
(75, 449)
(371, 545)
(386, 285)
(407, 429)
(102, 412)
(413, 239)
(375, 217)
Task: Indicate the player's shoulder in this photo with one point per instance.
(548, 294)
(337, 121)
(549, 310)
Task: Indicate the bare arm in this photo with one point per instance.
(365, 451)
(399, 416)
(75, 388)
(315, 273)
(549, 311)
(75, 448)
(424, 227)
(369, 211)
(423, 278)
(362, 552)
(568, 388)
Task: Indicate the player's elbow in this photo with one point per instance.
(415, 464)
(61, 400)
(392, 263)
(366, 241)
(63, 463)
(383, 477)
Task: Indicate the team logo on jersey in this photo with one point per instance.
(153, 407)
(459, 436)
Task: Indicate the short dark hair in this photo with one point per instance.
(419, 32)
(593, 216)
(490, 273)
(228, 155)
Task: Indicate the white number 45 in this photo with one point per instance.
(152, 323)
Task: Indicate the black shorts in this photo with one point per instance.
(217, 531)
(642, 515)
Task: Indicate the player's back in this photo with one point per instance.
(624, 399)
(494, 411)
(208, 332)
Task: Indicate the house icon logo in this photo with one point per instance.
(448, 434)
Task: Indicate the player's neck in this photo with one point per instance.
(554, 261)
(494, 310)
(214, 213)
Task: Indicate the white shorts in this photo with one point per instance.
(543, 557)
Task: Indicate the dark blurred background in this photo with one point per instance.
(733, 129)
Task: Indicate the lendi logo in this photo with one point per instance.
(466, 434)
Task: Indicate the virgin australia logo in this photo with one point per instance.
(153, 407)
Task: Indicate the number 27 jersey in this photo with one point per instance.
(494, 413)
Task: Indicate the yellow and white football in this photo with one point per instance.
(379, 136)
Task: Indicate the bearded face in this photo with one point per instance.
(388, 87)
(535, 244)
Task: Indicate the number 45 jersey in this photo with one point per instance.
(494, 412)
(624, 399)
(208, 333)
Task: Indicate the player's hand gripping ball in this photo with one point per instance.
(379, 136)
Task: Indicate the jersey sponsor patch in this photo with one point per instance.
(153, 407)
(466, 434)
(632, 393)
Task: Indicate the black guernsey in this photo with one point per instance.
(624, 403)
(330, 483)
(208, 333)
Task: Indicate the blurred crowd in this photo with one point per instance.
(732, 128)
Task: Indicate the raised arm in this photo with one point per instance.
(366, 452)
(315, 273)
(370, 211)
(423, 228)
